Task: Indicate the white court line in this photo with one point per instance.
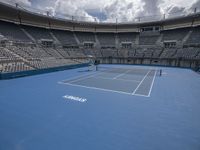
(152, 83)
(77, 77)
(116, 79)
(72, 78)
(95, 88)
(140, 83)
(121, 74)
(91, 76)
(140, 95)
(101, 89)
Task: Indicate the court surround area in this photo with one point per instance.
(121, 107)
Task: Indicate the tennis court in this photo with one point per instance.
(132, 80)
(119, 107)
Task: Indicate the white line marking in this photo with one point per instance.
(101, 89)
(91, 76)
(152, 83)
(122, 74)
(116, 79)
(79, 79)
(95, 88)
(140, 95)
(141, 82)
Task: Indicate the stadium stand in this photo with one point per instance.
(109, 52)
(75, 53)
(6, 56)
(127, 37)
(168, 53)
(123, 53)
(148, 40)
(85, 37)
(38, 33)
(175, 34)
(13, 32)
(194, 37)
(65, 37)
(30, 47)
(106, 39)
(14, 67)
(188, 53)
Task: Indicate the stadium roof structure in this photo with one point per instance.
(20, 15)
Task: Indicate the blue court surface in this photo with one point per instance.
(119, 107)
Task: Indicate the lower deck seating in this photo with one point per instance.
(14, 67)
(51, 62)
(109, 53)
(75, 53)
(123, 53)
(21, 58)
(168, 53)
(188, 53)
(6, 55)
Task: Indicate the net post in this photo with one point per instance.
(96, 63)
(160, 72)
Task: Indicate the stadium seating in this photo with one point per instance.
(148, 40)
(168, 53)
(188, 53)
(13, 32)
(109, 53)
(6, 56)
(127, 37)
(75, 53)
(194, 37)
(14, 67)
(85, 37)
(38, 33)
(65, 37)
(51, 62)
(106, 39)
(175, 34)
(23, 58)
(123, 53)
(25, 54)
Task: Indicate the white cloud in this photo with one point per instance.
(20, 2)
(25, 2)
(73, 8)
(172, 6)
(196, 6)
(123, 10)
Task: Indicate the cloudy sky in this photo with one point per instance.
(109, 10)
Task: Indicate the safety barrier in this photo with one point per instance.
(39, 71)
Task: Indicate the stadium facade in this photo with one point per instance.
(32, 41)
